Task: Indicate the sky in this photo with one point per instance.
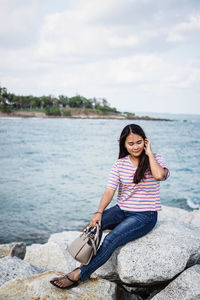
(141, 55)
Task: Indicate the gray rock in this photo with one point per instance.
(51, 257)
(155, 258)
(38, 287)
(123, 294)
(169, 213)
(160, 255)
(15, 268)
(186, 286)
(144, 292)
(13, 249)
(193, 218)
(54, 255)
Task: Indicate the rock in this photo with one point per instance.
(143, 292)
(15, 268)
(174, 213)
(192, 218)
(49, 256)
(186, 286)
(151, 260)
(13, 249)
(123, 294)
(38, 287)
(64, 239)
(169, 213)
(160, 255)
(54, 255)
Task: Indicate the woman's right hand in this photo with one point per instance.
(96, 218)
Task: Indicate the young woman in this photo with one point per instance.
(136, 174)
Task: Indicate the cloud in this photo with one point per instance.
(185, 77)
(136, 69)
(19, 27)
(66, 36)
(186, 31)
(128, 41)
(110, 49)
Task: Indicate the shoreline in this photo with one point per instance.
(77, 115)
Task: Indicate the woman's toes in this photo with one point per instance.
(54, 279)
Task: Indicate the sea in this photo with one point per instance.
(53, 171)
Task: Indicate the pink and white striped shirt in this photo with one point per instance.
(144, 196)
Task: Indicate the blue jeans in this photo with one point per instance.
(126, 226)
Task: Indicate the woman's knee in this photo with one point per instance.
(110, 239)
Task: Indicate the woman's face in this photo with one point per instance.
(134, 144)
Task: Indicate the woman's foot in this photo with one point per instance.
(68, 281)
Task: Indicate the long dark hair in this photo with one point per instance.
(143, 165)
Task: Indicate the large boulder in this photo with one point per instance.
(169, 213)
(160, 255)
(186, 286)
(193, 218)
(13, 249)
(38, 287)
(50, 256)
(155, 258)
(15, 268)
(54, 255)
(64, 239)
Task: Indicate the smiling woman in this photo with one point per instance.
(136, 173)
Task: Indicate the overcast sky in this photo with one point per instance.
(141, 55)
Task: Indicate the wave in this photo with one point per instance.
(193, 203)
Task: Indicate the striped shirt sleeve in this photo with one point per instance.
(161, 162)
(113, 179)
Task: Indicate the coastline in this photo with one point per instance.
(78, 114)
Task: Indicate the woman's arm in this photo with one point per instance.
(105, 200)
(157, 171)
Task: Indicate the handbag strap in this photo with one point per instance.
(93, 246)
(95, 240)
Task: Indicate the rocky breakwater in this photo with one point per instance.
(163, 265)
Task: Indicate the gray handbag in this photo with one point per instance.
(84, 247)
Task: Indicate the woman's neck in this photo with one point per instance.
(134, 160)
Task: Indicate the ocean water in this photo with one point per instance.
(53, 171)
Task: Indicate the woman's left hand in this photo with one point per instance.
(147, 147)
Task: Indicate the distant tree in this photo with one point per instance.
(95, 102)
(87, 103)
(4, 107)
(63, 101)
(33, 103)
(4, 103)
(76, 101)
(3, 92)
(105, 102)
(55, 101)
(46, 101)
